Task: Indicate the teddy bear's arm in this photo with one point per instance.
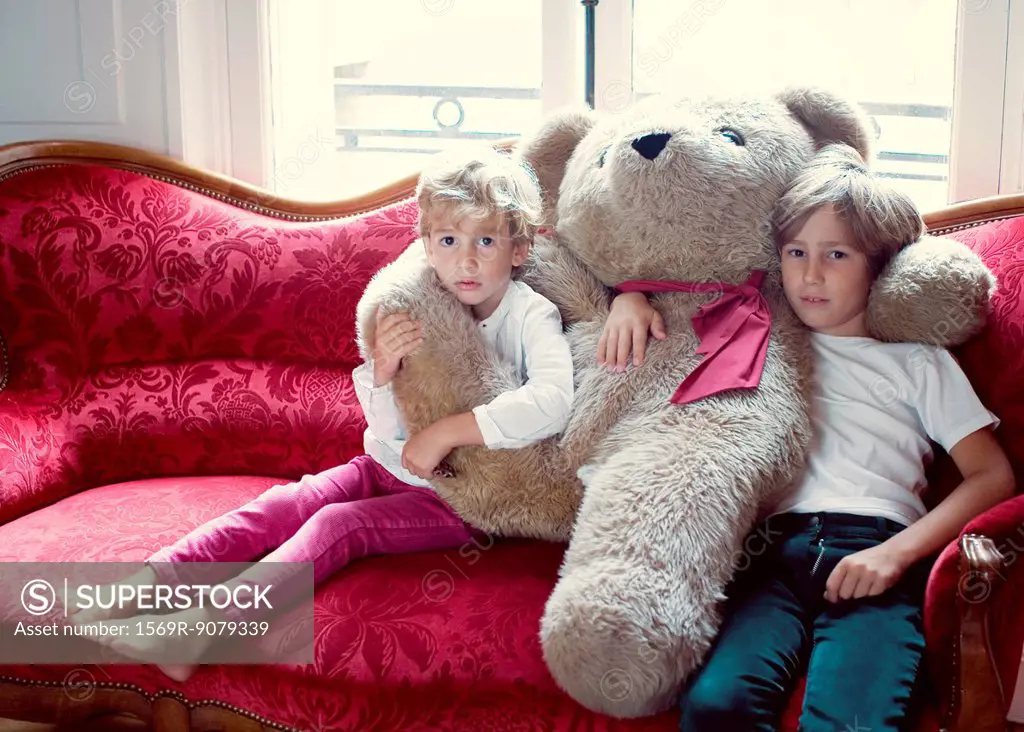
(935, 291)
(557, 274)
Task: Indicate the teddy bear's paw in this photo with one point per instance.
(608, 652)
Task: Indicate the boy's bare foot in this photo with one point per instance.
(180, 672)
(104, 593)
(186, 644)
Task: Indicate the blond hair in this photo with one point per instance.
(882, 219)
(480, 184)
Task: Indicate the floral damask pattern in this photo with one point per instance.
(994, 361)
(155, 331)
(177, 356)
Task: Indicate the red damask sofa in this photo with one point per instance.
(173, 342)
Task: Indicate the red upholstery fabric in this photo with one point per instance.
(169, 351)
(994, 361)
(155, 331)
(426, 641)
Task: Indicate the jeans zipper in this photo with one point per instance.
(821, 553)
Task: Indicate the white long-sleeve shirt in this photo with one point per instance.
(525, 331)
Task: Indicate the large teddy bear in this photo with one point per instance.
(677, 190)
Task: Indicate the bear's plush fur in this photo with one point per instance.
(671, 491)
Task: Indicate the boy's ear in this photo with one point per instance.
(520, 252)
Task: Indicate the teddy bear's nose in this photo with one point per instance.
(650, 145)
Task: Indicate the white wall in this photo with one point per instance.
(91, 69)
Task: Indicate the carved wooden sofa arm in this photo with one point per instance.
(979, 704)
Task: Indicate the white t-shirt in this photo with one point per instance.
(876, 406)
(526, 331)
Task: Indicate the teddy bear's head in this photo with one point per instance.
(682, 188)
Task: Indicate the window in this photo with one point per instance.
(363, 91)
(354, 95)
(934, 74)
(862, 48)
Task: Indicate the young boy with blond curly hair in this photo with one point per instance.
(478, 216)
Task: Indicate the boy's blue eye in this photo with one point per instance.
(447, 240)
(486, 241)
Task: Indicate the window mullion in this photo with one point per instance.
(1011, 178)
(613, 65)
(561, 55)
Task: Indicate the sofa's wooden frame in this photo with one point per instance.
(978, 700)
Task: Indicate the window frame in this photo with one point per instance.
(986, 145)
(988, 95)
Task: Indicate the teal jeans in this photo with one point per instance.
(861, 656)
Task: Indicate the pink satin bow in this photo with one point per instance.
(733, 330)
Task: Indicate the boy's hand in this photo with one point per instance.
(397, 336)
(425, 450)
(626, 329)
(865, 573)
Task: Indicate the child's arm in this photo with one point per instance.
(987, 481)
(397, 336)
(952, 415)
(540, 407)
(630, 319)
(514, 419)
(426, 449)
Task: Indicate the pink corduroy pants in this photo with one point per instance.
(331, 518)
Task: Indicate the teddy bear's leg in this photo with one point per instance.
(657, 538)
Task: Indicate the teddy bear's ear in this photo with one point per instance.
(831, 118)
(549, 148)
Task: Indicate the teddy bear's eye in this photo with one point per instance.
(600, 158)
(731, 135)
